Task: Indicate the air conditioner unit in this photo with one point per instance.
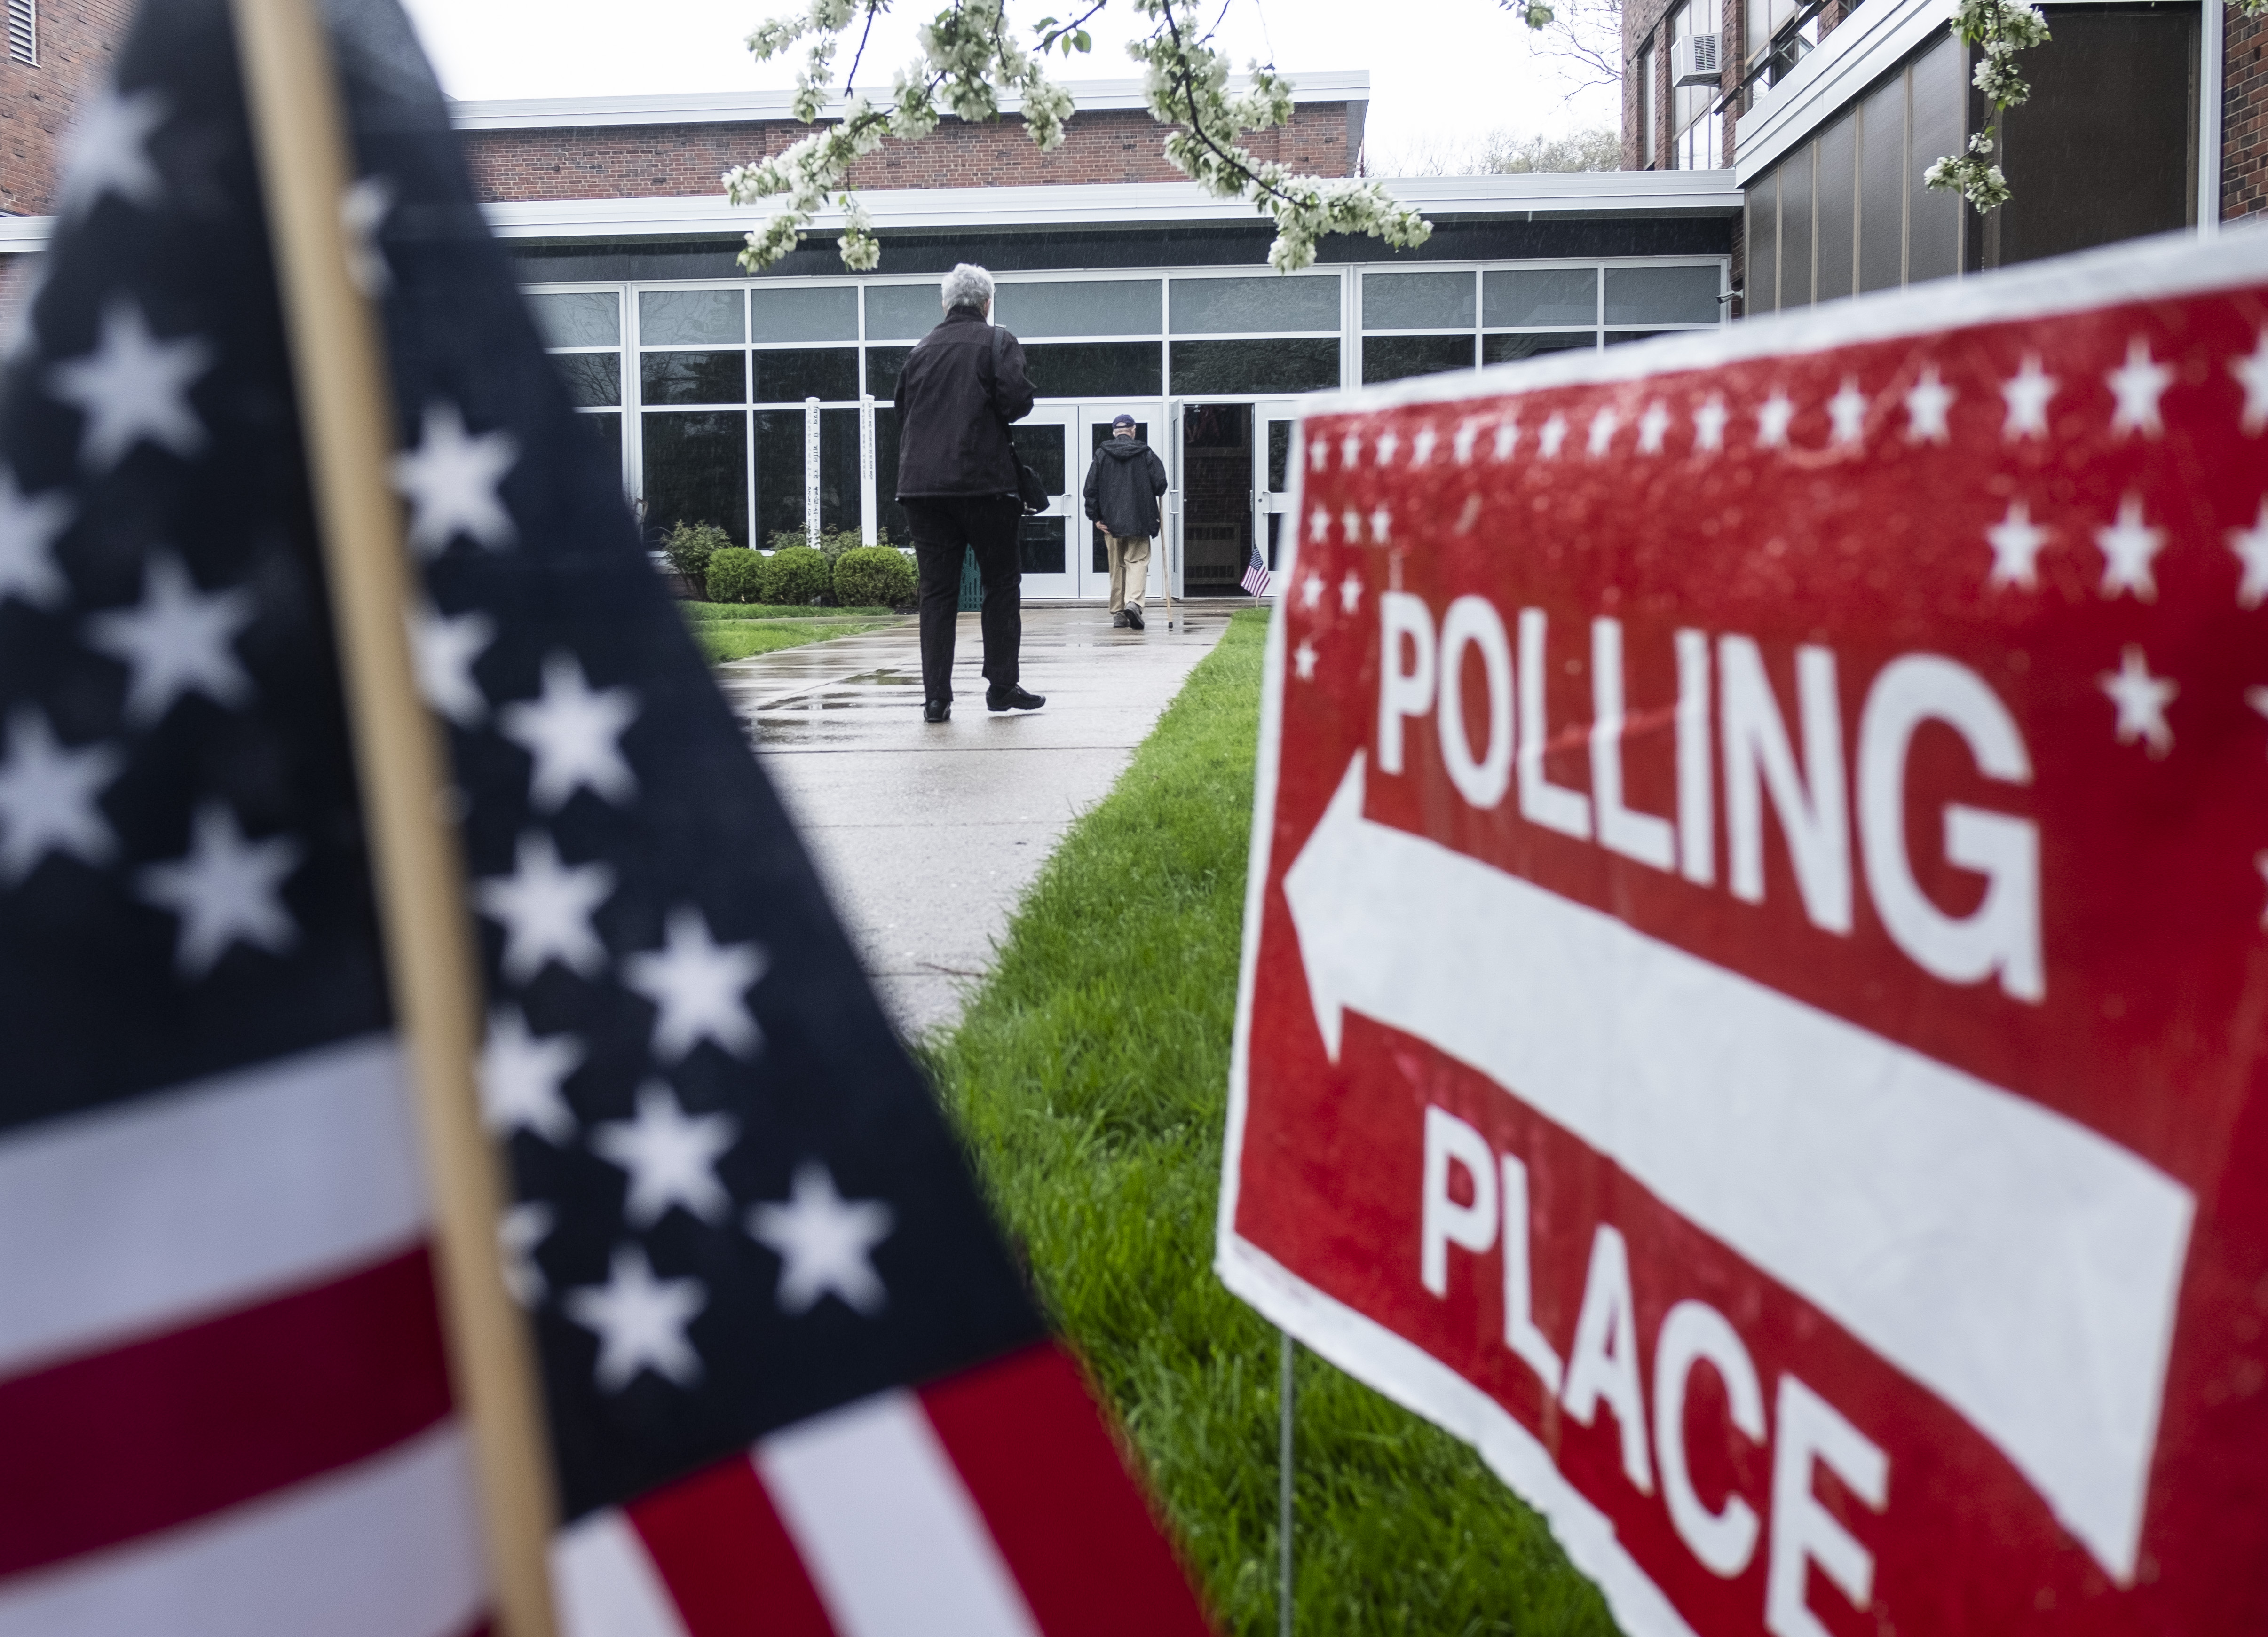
(1693, 60)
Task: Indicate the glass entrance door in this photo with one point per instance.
(1218, 489)
(1048, 542)
(1271, 480)
(1095, 556)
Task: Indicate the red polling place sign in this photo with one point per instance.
(1756, 971)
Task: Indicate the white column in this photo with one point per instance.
(811, 470)
(868, 502)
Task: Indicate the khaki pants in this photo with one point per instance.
(1130, 569)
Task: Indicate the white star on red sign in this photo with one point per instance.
(1650, 427)
(1772, 421)
(2026, 392)
(2128, 545)
(1554, 434)
(1421, 447)
(2137, 384)
(1350, 450)
(1388, 441)
(1461, 446)
(2251, 372)
(1926, 405)
(2016, 541)
(1304, 658)
(1508, 439)
(1318, 454)
(2252, 548)
(2141, 699)
(1351, 520)
(1847, 410)
(1319, 521)
(1351, 593)
(1311, 590)
(1603, 427)
(1709, 426)
(1380, 519)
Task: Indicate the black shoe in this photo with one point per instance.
(1133, 618)
(937, 710)
(1118, 621)
(1014, 699)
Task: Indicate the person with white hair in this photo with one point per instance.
(962, 385)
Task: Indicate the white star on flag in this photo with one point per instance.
(29, 525)
(521, 1076)
(2128, 545)
(1350, 449)
(825, 1243)
(223, 891)
(1304, 658)
(1351, 521)
(2137, 384)
(2027, 393)
(2016, 541)
(1603, 427)
(1461, 447)
(544, 907)
(2141, 699)
(1311, 590)
(1421, 447)
(1553, 435)
(573, 732)
(640, 1322)
(132, 387)
(1928, 404)
(1653, 426)
(2252, 548)
(177, 639)
(450, 481)
(1388, 441)
(1709, 423)
(48, 795)
(525, 1226)
(1381, 520)
(110, 154)
(1319, 454)
(670, 1158)
(1772, 418)
(1847, 412)
(1351, 593)
(2251, 373)
(445, 647)
(363, 211)
(1508, 438)
(699, 988)
(1319, 521)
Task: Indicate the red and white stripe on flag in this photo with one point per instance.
(223, 1403)
(991, 1504)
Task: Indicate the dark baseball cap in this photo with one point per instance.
(1121, 420)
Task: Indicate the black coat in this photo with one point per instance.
(1123, 487)
(956, 396)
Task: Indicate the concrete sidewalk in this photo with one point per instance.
(926, 835)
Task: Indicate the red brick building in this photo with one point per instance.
(59, 52)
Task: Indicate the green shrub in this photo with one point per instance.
(873, 577)
(689, 545)
(831, 547)
(796, 575)
(736, 576)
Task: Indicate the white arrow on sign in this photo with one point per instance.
(2017, 1264)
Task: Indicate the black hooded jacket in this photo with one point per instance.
(1123, 487)
(956, 395)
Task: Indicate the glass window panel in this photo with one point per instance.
(1080, 307)
(1506, 348)
(883, 365)
(1615, 338)
(1663, 295)
(696, 471)
(1837, 209)
(1795, 229)
(1540, 295)
(677, 318)
(1279, 455)
(903, 311)
(592, 378)
(1411, 301)
(1095, 369)
(1762, 276)
(779, 478)
(819, 314)
(1391, 357)
(1882, 186)
(608, 431)
(581, 317)
(1216, 306)
(694, 378)
(1933, 215)
(1292, 365)
(1040, 447)
(790, 377)
(1041, 545)
(838, 470)
(889, 518)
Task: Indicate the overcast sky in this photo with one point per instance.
(1442, 72)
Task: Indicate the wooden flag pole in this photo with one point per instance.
(345, 405)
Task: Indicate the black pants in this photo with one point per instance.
(943, 527)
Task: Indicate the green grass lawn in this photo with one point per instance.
(702, 612)
(1089, 1077)
(728, 639)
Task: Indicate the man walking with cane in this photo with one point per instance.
(1122, 492)
(958, 481)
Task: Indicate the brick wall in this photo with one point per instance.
(37, 104)
(2244, 116)
(638, 161)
